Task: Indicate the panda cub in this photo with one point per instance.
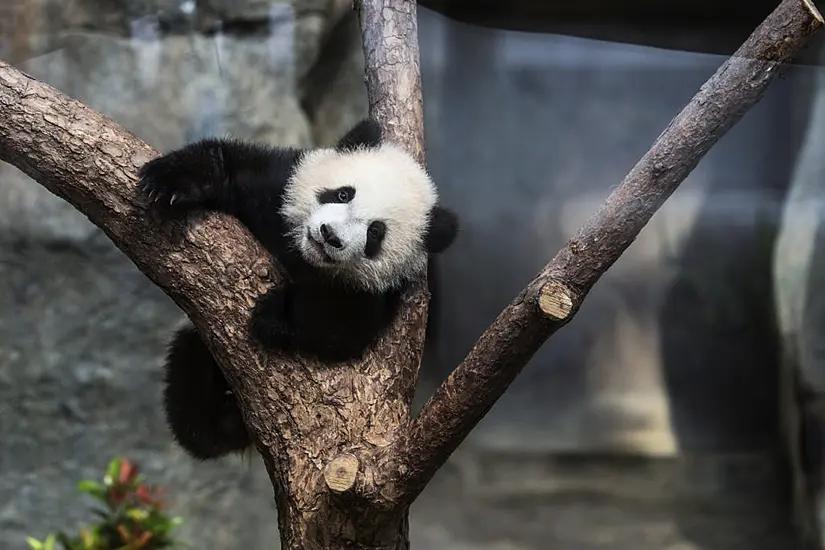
(352, 225)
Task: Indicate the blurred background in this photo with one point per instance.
(678, 411)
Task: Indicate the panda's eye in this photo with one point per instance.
(340, 195)
(375, 236)
(376, 230)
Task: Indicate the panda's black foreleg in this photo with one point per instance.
(220, 174)
(200, 408)
(269, 323)
(191, 176)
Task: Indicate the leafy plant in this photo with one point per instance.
(132, 517)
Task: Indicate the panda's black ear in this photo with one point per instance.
(441, 231)
(366, 133)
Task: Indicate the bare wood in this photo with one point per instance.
(555, 301)
(519, 331)
(340, 473)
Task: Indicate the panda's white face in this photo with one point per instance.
(361, 214)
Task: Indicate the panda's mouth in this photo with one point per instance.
(320, 249)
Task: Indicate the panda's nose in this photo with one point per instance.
(330, 237)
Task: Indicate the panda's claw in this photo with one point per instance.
(158, 184)
(185, 178)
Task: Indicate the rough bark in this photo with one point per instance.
(553, 297)
(393, 69)
(343, 458)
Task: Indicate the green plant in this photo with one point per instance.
(133, 517)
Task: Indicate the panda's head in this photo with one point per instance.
(366, 211)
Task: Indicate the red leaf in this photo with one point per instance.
(128, 471)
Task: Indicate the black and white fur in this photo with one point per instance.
(352, 225)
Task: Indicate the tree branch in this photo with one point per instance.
(553, 297)
(89, 161)
(389, 38)
(389, 30)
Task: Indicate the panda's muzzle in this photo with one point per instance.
(320, 248)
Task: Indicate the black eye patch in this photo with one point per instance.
(341, 195)
(375, 236)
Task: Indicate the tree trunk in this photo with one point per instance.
(333, 529)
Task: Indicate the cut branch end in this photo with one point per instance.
(556, 301)
(814, 11)
(340, 473)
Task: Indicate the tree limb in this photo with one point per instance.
(553, 297)
(392, 66)
(389, 30)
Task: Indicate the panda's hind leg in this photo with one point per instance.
(200, 408)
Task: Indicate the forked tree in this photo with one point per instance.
(344, 455)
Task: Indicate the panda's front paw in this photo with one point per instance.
(184, 178)
(269, 323)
